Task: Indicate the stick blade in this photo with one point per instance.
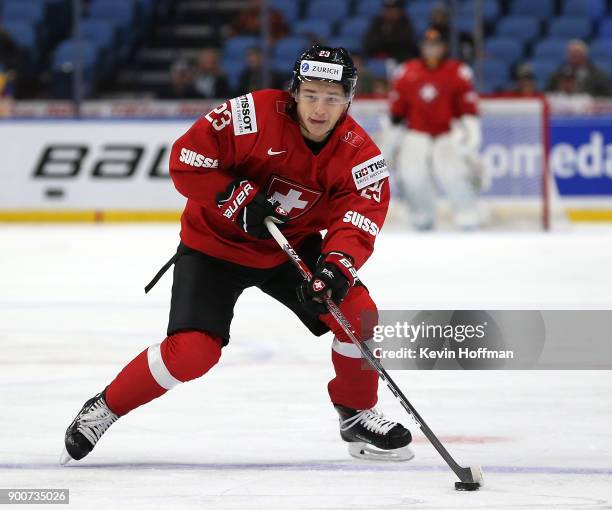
(474, 484)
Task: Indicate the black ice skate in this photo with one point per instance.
(87, 428)
(373, 437)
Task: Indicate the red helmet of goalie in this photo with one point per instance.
(433, 46)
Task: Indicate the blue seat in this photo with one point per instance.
(350, 43)
(544, 68)
(605, 28)
(420, 9)
(571, 27)
(63, 65)
(601, 49)
(282, 64)
(16, 10)
(290, 9)
(69, 50)
(23, 34)
(541, 9)
(593, 9)
(465, 23)
(504, 48)
(117, 12)
(420, 25)
(332, 10)
(523, 28)
(378, 67)
(101, 33)
(290, 48)
(146, 5)
(369, 8)
(496, 74)
(235, 47)
(313, 27)
(551, 49)
(233, 69)
(490, 11)
(355, 27)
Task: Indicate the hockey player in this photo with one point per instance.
(434, 99)
(299, 158)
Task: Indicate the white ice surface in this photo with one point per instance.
(258, 430)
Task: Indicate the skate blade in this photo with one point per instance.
(64, 457)
(365, 451)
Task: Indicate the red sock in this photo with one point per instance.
(180, 357)
(353, 386)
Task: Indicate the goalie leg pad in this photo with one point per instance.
(414, 167)
(454, 176)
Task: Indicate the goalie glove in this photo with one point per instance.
(334, 276)
(466, 133)
(244, 204)
(392, 134)
(477, 172)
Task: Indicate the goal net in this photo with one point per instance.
(517, 189)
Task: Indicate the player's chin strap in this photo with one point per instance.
(471, 477)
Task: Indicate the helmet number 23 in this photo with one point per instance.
(219, 117)
(324, 53)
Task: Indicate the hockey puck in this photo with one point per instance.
(467, 486)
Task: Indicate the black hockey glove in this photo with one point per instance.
(243, 203)
(334, 276)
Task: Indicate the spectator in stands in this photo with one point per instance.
(566, 81)
(391, 34)
(210, 80)
(7, 83)
(8, 63)
(525, 83)
(365, 83)
(8, 50)
(439, 19)
(248, 22)
(251, 77)
(181, 81)
(588, 78)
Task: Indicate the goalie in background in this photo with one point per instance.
(434, 99)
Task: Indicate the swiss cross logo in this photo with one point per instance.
(293, 198)
(318, 285)
(428, 92)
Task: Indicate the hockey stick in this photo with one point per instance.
(471, 477)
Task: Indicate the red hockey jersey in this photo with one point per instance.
(430, 98)
(343, 189)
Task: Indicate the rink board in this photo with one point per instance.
(114, 170)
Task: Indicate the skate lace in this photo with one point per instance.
(96, 421)
(371, 419)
